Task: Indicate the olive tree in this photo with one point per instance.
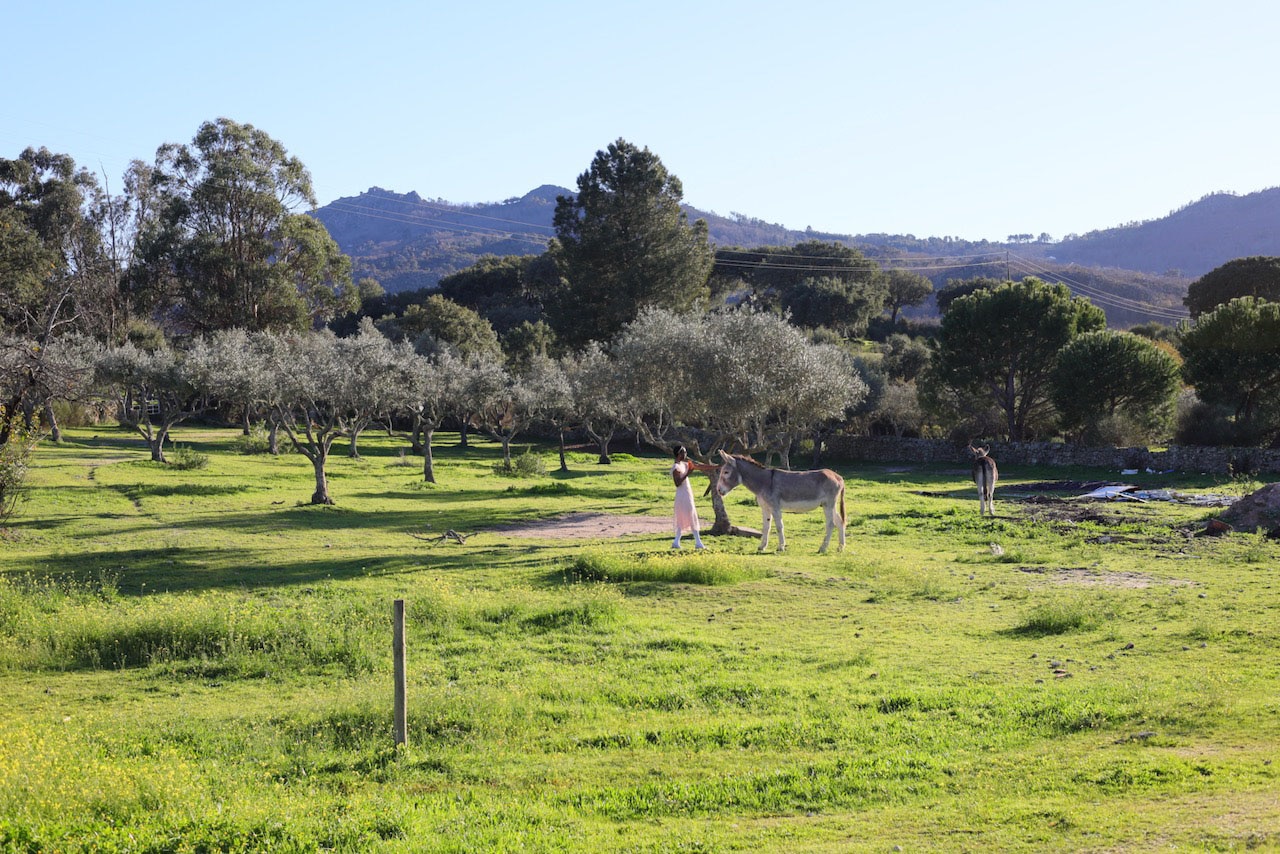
(157, 389)
(479, 388)
(824, 384)
(382, 379)
(744, 380)
(316, 394)
(434, 384)
(522, 398)
(237, 375)
(599, 395)
(61, 370)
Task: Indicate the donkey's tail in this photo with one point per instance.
(843, 518)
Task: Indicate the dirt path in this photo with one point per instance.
(588, 526)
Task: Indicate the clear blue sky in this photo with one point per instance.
(977, 120)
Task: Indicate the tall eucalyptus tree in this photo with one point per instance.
(227, 245)
(54, 278)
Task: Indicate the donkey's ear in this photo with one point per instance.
(723, 455)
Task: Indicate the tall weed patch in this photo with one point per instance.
(1060, 617)
(76, 629)
(697, 568)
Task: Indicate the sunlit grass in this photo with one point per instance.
(696, 568)
(198, 660)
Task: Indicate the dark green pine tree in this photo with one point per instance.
(622, 244)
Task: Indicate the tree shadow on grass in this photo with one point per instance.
(514, 489)
(121, 441)
(472, 515)
(136, 492)
(137, 572)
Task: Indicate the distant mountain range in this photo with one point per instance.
(1136, 272)
(1190, 242)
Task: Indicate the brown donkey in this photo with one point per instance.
(984, 475)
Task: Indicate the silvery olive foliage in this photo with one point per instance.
(516, 400)
(156, 389)
(599, 394)
(740, 378)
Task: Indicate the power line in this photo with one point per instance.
(1092, 290)
(453, 209)
(1100, 296)
(792, 255)
(478, 231)
(871, 267)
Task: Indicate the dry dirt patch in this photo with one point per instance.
(1089, 578)
(588, 526)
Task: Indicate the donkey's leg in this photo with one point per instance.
(837, 506)
(782, 537)
(829, 511)
(764, 526)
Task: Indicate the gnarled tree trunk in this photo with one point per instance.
(428, 464)
(321, 495)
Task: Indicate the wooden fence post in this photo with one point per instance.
(398, 654)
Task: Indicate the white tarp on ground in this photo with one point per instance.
(1125, 492)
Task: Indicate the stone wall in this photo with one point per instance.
(1190, 458)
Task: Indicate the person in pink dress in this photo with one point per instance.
(686, 514)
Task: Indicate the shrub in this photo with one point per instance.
(74, 414)
(527, 464)
(188, 459)
(257, 442)
(13, 465)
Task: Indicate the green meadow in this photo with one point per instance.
(193, 659)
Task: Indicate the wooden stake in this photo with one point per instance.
(398, 654)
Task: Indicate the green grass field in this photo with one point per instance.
(196, 660)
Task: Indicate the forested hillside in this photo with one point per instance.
(407, 242)
(1136, 273)
(1188, 242)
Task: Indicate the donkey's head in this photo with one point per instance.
(729, 475)
(979, 453)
